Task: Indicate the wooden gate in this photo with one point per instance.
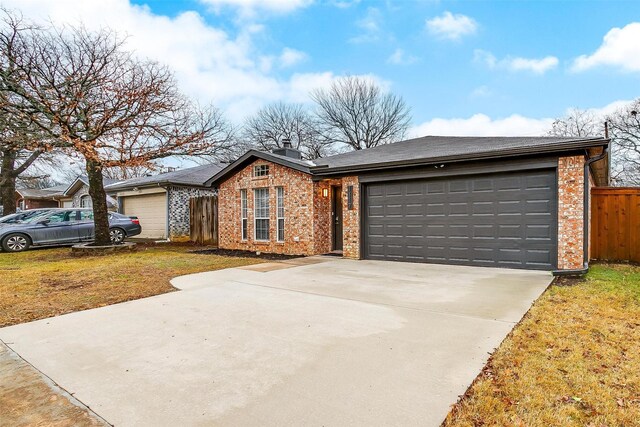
(615, 223)
(203, 220)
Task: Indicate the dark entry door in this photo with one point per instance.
(336, 216)
(495, 220)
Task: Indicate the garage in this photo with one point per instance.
(495, 220)
(151, 210)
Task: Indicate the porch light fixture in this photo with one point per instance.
(325, 192)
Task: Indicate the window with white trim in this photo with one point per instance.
(261, 213)
(244, 213)
(260, 170)
(280, 213)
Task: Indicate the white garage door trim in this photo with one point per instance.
(151, 210)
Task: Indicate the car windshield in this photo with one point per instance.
(9, 217)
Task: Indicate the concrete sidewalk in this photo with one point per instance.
(316, 341)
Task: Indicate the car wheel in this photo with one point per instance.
(117, 235)
(16, 243)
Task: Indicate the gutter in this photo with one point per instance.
(585, 217)
(322, 170)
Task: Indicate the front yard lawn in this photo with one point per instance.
(574, 360)
(48, 282)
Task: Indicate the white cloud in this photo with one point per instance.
(480, 92)
(513, 125)
(290, 57)
(485, 58)
(400, 57)
(249, 7)
(537, 66)
(534, 65)
(344, 4)
(370, 27)
(451, 27)
(483, 125)
(209, 63)
(620, 48)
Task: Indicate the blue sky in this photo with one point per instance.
(483, 67)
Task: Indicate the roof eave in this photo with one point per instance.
(550, 149)
(72, 185)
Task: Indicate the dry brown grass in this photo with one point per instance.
(48, 282)
(573, 361)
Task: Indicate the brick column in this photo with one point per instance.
(570, 212)
(351, 218)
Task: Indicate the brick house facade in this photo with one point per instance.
(299, 220)
(308, 207)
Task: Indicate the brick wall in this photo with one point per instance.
(351, 218)
(570, 212)
(322, 229)
(179, 210)
(37, 203)
(299, 210)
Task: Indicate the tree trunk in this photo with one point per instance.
(8, 183)
(99, 200)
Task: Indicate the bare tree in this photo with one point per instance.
(18, 151)
(355, 112)
(92, 97)
(37, 181)
(279, 121)
(578, 123)
(624, 129)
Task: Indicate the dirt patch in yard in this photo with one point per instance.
(245, 254)
(574, 359)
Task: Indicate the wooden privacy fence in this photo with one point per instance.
(615, 223)
(203, 220)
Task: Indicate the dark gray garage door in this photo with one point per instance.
(496, 220)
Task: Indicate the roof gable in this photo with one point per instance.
(252, 155)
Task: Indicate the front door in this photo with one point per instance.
(336, 216)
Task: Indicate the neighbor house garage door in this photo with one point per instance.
(497, 220)
(151, 209)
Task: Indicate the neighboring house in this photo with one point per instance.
(515, 202)
(161, 202)
(36, 198)
(76, 194)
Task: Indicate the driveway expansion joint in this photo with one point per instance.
(466, 316)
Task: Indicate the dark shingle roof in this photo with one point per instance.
(42, 193)
(105, 180)
(447, 148)
(196, 176)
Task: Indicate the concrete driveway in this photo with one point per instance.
(315, 341)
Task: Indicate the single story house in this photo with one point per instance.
(36, 198)
(161, 202)
(76, 194)
(514, 202)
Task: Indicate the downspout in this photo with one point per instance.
(587, 211)
(585, 215)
